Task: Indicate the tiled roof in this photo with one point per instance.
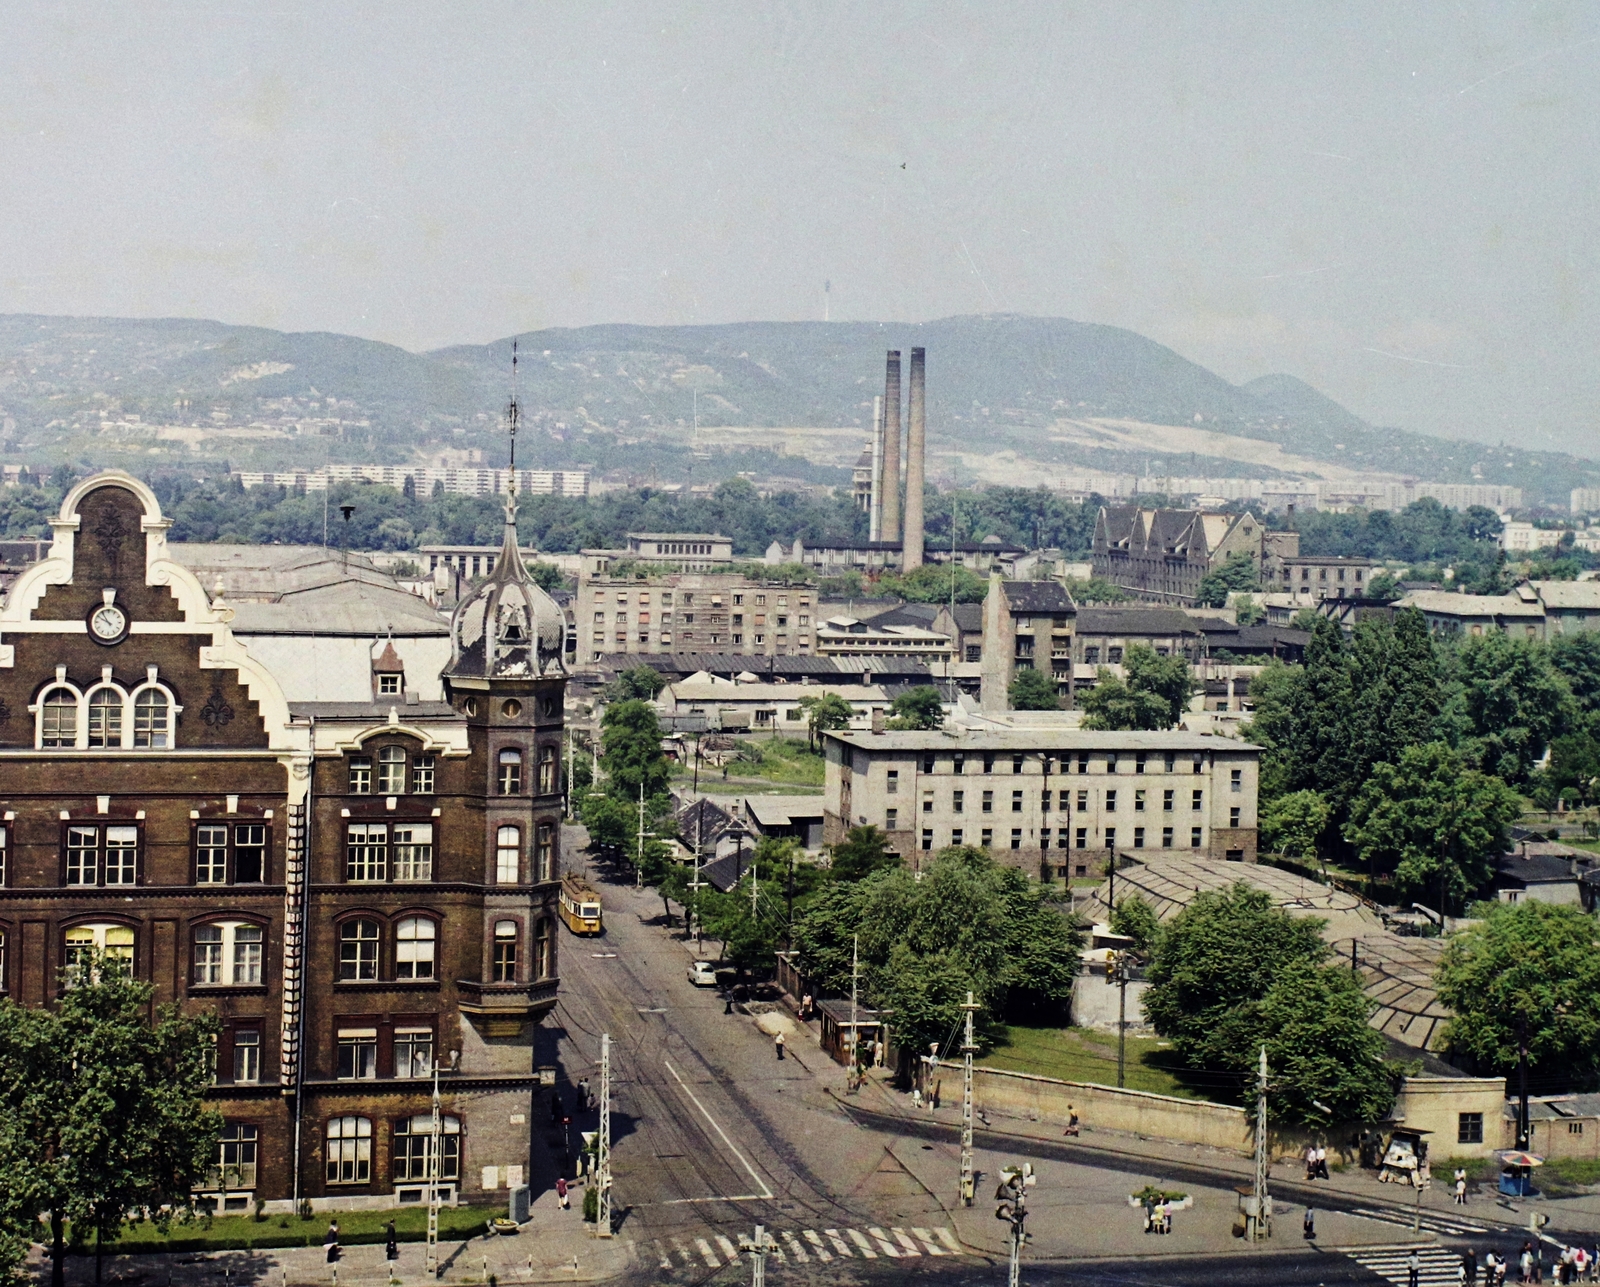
(1039, 596)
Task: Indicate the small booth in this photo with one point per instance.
(835, 1035)
(1405, 1161)
(1516, 1173)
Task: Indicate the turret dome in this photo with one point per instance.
(508, 627)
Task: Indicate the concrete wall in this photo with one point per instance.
(1095, 1004)
(1436, 1103)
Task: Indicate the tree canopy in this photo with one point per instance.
(825, 713)
(917, 708)
(1033, 690)
(934, 582)
(1153, 694)
(1238, 572)
(638, 683)
(631, 737)
(1292, 824)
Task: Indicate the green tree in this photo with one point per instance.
(863, 851)
(1384, 586)
(631, 737)
(1033, 690)
(1526, 972)
(1154, 694)
(1238, 572)
(1248, 611)
(1292, 824)
(1510, 701)
(1433, 823)
(1577, 657)
(933, 583)
(1169, 678)
(1095, 590)
(1136, 919)
(824, 714)
(612, 823)
(637, 684)
(102, 1116)
(917, 708)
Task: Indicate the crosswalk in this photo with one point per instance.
(803, 1246)
(1455, 1226)
(1440, 1267)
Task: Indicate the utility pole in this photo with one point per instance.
(1263, 1220)
(850, 1084)
(1117, 970)
(602, 1179)
(638, 863)
(1013, 1196)
(754, 879)
(758, 1258)
(430, 1259)
(566, 786)
(694, 885)
(968, 1047)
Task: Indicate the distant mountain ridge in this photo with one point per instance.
(616, 396)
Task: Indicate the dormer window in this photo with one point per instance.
(388, 685)
(388, 673)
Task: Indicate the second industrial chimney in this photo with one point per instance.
(916, 448)
(889, 525)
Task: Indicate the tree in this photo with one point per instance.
(631, 737)
(1292, 824)
(1526, 972)
(1238, 572)
(917, 708)
(863, 851)
(933, 583)
(1384, 586)
(825, 713)
(1033, 690)
(1153, 695)
(1135, 919)
(1511, 701)
(1248, 611)
(102, 1116)
(1577, 657)
(1433, 823)
(611, 823)
(636, 684)
(1095, 590)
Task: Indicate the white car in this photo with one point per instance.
(702, 974)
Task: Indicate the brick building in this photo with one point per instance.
(357, 887)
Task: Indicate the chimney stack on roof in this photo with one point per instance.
(889, 525)
(916, 449)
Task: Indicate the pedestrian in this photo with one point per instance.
(778, 1042)
(1413, 1269)
(561, 1193)
(806, 1006)
(1461, 1186)
(916, 1097)
(1311, 1161)
(1072, 1122)
(1322, 1163)
(331, 1242)
(1491, 1264)
(1525, 1264)
(391, 1244)
(1166, 1215)
(1308, 1226)
(1149, 1216)
(1469, 1266)
(555, 1108)
(583, 1094)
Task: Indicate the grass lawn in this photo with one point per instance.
(1079, 1054)
(242, 1232)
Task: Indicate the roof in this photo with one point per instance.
(1446, 604)
(713, 821)
(782, 810)
(341, 608)
(839, 1012)
(1025, 739)
(1534, 867)
(795, 667)
(968, 617)
(722, 874)
(1569, 594)
(1039, 596)
(1135, 621)
(268, 572)
(370, 712)
(1549, 1108)
(678, 536)
(713, 688)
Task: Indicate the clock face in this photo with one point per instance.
(108, 624)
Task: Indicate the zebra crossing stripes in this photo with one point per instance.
(1453, 1225)
(804, 1245)
(1440, 1267)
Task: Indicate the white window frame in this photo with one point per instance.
(385, 773)
(423, 949)
(100, 933)
(421, 1126)
(411, 851)
(349, 1150)
(240, 959)
(253, 1058)
(363, 1044)
(127, 739)
(508, 855)
(412, 1041)
(374, 868)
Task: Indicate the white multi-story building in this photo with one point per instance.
(1053, 801)
(1520, 537)
(472, 481)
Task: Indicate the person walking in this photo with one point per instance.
(916, 1098)
(561, 1193)
(583, 1094)
(1322, 1163)
(1461, 1186)
(391, 1244)
(1525, 1264)
(806, 1005)
(1311, 1161)
(778, 1043)
(1308, 1226)
(331, 1242)
(1469, 1267)
(1413, 1269)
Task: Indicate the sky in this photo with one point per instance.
(1396, 203)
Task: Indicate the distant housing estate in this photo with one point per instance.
(475, 481)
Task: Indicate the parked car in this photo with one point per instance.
(702, 974)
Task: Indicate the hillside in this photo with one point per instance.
(1016, 391)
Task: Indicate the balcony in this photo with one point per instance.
(501, 1009)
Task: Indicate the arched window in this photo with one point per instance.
(358, 950)
(227, 954)
(413, 1148)
(350, 1150)
(81, 942)
(545, 844)
(508, 855)
(105, 717)
(547, 770)
(413, 948)
(510, 772)
(152, 719)
(58, 718)
(505, 951)
(543, 965)
(391, 771)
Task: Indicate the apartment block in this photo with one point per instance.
(692, 612)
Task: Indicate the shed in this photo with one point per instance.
(869, 1025)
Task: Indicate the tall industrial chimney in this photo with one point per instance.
(875, 497)
(890, 524)
(916, 448)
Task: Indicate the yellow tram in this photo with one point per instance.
(580, 905)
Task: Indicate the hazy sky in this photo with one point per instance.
(1396, 202)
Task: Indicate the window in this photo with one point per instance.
(1083, 761)
(505, 952)
(58, 718)
(360, 775)
(1194, 837)
(367, 851)
(1044, 800)
(988, 760)
(544, 963)
(927, 762)
(510, 772)
(413, 850)
(956, 836)
(3, 856)
(547, 770)
(211, 853)
(105, 717)
(988, 801)
(958, 763)
(1083, 801)
(249, 853)
(1080, 838)
(1138, 762)
(1138, 801)
(1233, 817)
(121, 855)
(236, 1157)
(927, 801)
(1469, 1128)
(422, 775)
(1574, 1128)
(508, 855)
(892, 782)
(988, 837)
(81, 942)
(388, 685)
(152, 722)
(1166, 802)
(228, 954)
(1111, 762)
(545, 843)
(1111, 801)
(413, 948)
(209, 949)
(358, 950)
(1236, 780)
(958, 801)
(1199, 764)
(1016, 764)
(102, 855)
(414, 1148)
(413, 1052)
(247, 1055)
(891, 819)
(1166, 837)
(1016, 802)
(1016, 837)
(927, 838)
(1138, 837)
(246, 955)
(350, 1150)
(391, 770)
(1111, 837)
(358, 1054)
(1171, 761)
